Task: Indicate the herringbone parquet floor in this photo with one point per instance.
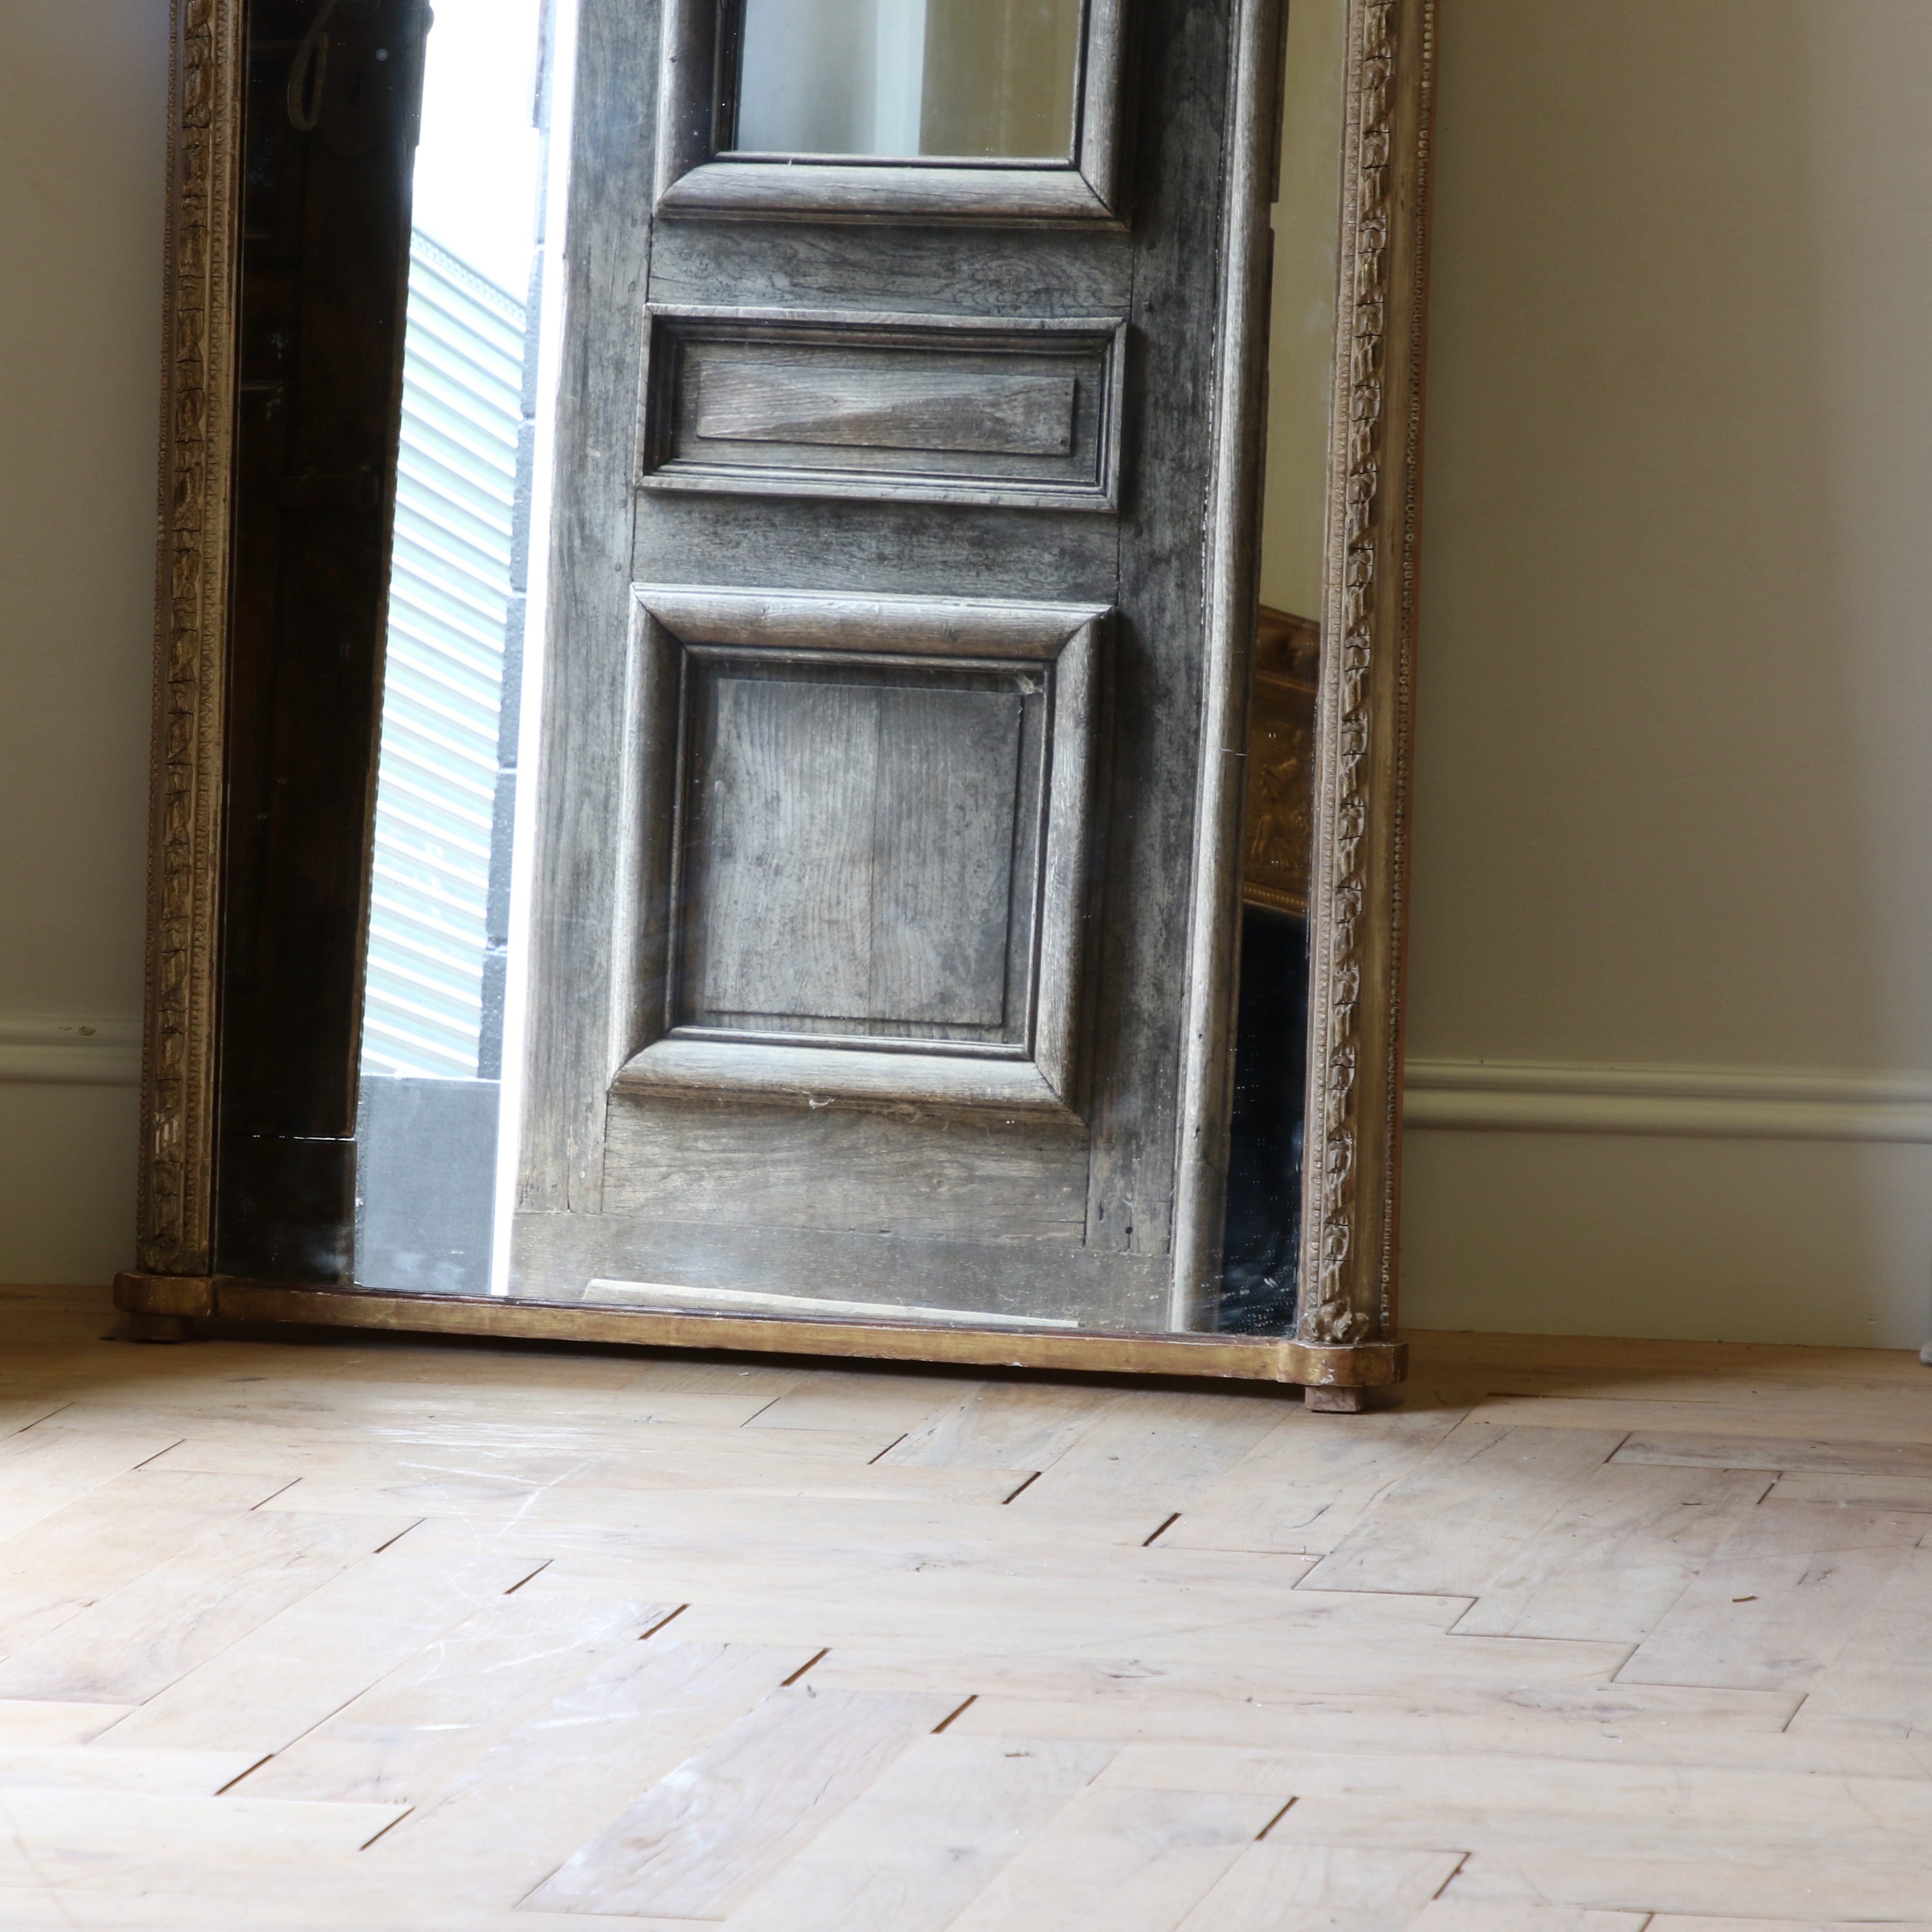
(329, 1633)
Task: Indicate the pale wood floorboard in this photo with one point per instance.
(410, 1733)
(302, 1634)
(881, 1867)
(698, 1843)
(1130, 1860)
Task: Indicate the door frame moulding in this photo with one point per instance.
(671, 329)
(694, 176)
(1057, 648)
(1358, 894)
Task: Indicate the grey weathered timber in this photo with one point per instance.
(882, 623)
(1007, 274)
(852, 838)
(689, 179)
(812, 541)
(911, 1171)
(871, 886)
(658, 1295)
(592, 707)
(860, 1072)
(872, 192)
(1059, 1279)
(1182, 216)
(791, 402)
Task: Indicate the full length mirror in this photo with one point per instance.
(754, 804)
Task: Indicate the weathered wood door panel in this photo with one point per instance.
(898, 558)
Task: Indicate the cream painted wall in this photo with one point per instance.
(1301, 337)
(1674, 801)
(1674, 804)
(83, 96)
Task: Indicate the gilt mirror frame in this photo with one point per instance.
(1344, 1340)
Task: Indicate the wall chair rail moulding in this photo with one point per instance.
(1027, 376)
(36, 1051)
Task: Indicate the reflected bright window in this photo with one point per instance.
(434, 995)
(967, 79)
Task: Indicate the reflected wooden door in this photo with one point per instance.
(886, 871)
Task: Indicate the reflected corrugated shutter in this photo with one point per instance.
(450, 595)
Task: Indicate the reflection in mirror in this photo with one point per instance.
(440, 1120)
(432, 1026)
(1263, 1231)
(964, 79)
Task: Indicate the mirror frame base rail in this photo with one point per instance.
(160, 1307)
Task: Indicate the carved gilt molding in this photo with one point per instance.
(1347, 1263)
(199, 306)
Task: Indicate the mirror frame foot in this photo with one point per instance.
(1335, 1401)
(157, 1328)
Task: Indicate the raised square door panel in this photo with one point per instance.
(872, 885)
(861, 851)
(1023, 414)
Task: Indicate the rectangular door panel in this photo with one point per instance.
(937, 409)
(874, 884)
(859, 856)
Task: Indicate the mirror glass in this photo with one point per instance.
(962, 79)
(439, 1112)
(436, 970)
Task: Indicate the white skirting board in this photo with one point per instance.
(1729, 1234)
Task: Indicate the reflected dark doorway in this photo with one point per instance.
(1261, 1235)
